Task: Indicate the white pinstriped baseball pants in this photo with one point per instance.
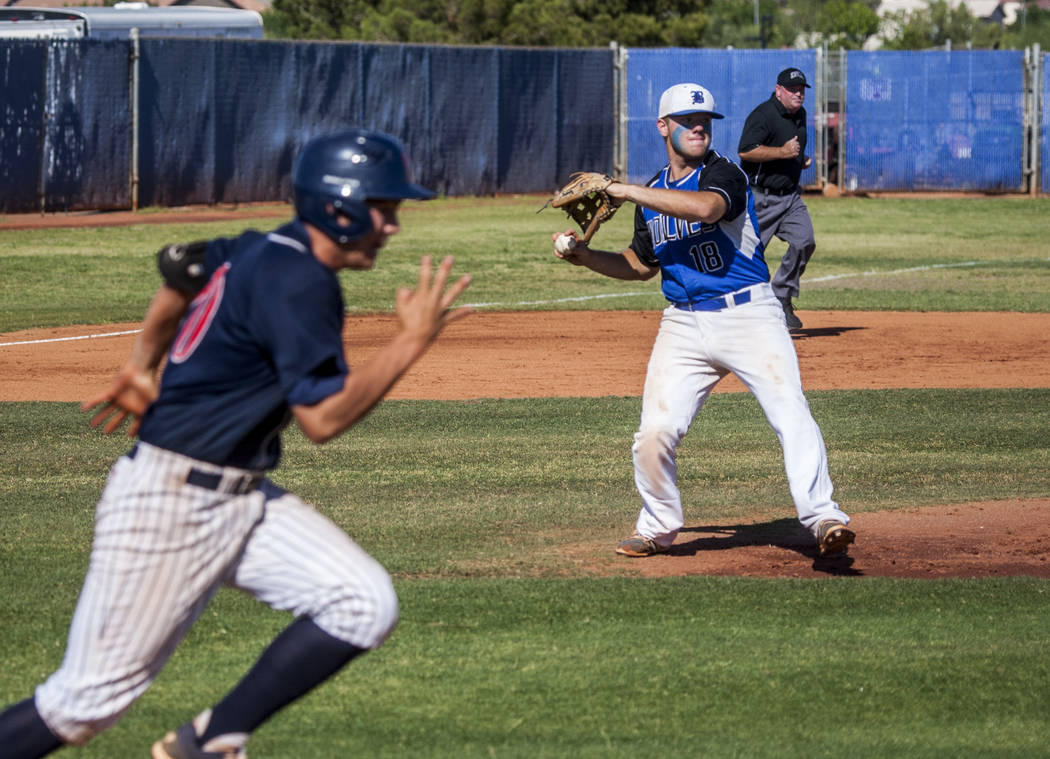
(692, 352)
(163, 548)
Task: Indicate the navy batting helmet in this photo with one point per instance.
(340, 172)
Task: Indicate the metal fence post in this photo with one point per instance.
(820, 118)
(1034, 104)
(620, 103)
(134, 85)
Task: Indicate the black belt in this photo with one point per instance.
(768, 191)
(716, 304)
(245, 483)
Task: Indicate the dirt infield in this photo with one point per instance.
(602, 353)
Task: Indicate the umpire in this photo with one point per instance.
(773, 153)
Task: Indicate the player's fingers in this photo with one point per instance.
(457, 314)
(101, 416)
(425, 274)
(453, 292)
(444, 269)
(403, 296)
(115, 422)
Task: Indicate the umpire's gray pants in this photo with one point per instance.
(787, 217)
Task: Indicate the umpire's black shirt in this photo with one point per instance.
(770, 124)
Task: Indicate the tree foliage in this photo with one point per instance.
(938, 24)
(1031, 27)
(562, 23)
(650, 23)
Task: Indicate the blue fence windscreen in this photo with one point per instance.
(88, 135)
(1044, 136)
(222, 121)
(21, 124)
(739, 81)
(934, 120)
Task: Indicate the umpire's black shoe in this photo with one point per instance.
(183, 744)
(793, 322)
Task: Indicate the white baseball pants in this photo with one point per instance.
(162, 550)
(692, 352)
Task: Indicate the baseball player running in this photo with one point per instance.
(695, 224)
(190, 509)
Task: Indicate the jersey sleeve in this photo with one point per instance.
(642, 243)
(299, 317)
(755, 132)
(728, 180)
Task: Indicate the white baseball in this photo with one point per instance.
(564, 243)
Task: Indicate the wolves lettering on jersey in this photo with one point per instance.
(700, 260)
(663, 228)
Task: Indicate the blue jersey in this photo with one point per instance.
(698, 260)
(263, 335)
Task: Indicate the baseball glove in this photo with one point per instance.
(586, 202)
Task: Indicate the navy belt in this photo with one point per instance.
(716, 304)
(246, 483)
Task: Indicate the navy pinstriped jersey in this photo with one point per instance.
(699, 260)
(264, 334)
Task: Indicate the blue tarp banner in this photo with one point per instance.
(934, 120)
(222, 121)
(22, 68)
(88, 137)
(738, 79)
(65, 125)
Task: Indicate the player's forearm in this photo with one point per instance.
(363, 389)
(689, 206)
(765, 153)
(623, 265)
(159, 327)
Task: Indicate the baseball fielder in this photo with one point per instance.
(190, 508)
(695, 225)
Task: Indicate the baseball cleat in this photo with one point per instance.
(793, 322)
(833, 538)
(183, 744)
(638, 546)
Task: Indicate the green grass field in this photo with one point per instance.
(970, 254)
(506, 647)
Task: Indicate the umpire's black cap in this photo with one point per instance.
(791, 76)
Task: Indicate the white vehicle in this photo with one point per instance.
(116, 22)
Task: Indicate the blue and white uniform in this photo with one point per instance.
(190, 509)
(722, 318)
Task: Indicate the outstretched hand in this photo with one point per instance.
(425, 311)
(130, 394)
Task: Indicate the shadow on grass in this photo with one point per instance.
(786, 534)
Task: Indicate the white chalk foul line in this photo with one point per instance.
(827, 278)
(874, 273)
(75, 337)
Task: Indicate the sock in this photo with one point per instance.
(300, 658)
(24, 735)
